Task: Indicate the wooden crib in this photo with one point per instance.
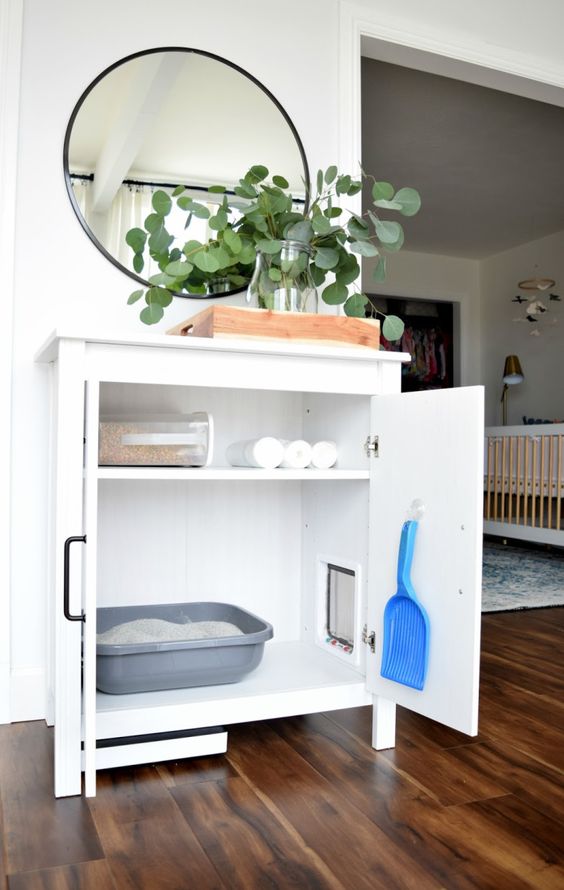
(523, 482)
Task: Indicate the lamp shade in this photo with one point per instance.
(512, 371)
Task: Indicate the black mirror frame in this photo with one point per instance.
(78, 106)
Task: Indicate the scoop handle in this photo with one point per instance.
(405, 556)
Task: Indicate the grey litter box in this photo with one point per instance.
(146, 667)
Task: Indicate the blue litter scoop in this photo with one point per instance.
(405, 653)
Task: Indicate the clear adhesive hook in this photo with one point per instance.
(416, 510)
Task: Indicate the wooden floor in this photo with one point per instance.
(306, 803)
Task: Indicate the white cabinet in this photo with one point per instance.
(261, 539)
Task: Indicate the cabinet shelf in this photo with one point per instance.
(293, 678)
(226, 474)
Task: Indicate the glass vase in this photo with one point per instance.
(282, 281)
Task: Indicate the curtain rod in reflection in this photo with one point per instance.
(167, 185)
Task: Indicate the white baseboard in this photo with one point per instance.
(27, 694)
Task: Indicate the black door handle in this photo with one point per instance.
(66, 574)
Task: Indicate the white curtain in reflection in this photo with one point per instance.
(82, 189)
(129, 209)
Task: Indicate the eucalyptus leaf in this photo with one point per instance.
(326, 257)
(410, 201)
(153, 221)
(318, 275)
(388, 205)
(233, 240)
(245, 190)
(151, 314)
(200, 210)
(178, 190)
(138, 263)
(265, 245)
(160, 240)
(133, 297)
(219, 221)
(281, 182)
(393, 328)
(396, 245)
(343, 184)
(382, 190)
(216, 189)
(355, 306)
(354, 188)
(330, 174)
(161, 278)
(162, 203)
(379, 271)
(335, 294)
(358, 228)
(388, 232)
(348, 271)
(205, 261)
(179, 269)
(301, 231)
(319, 181)
(259, 172)
(274, 274)
(191, 247)
(136, 239)
(321, 224)
(364, 248)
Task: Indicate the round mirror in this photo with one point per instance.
(176, 120)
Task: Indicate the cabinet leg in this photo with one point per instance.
(383, 723)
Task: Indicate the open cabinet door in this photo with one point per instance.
(430, 449)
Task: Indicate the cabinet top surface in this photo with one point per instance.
(49, 350)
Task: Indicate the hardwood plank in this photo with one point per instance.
(81, 876)
(536, 784)
(519, 699)
(358, 721)
(145, 838)
(408, 817)
(353, 847)
(434, 771)
(249, 846)
(522, 731)
(195, 769)
(39, 831)
(520, 674)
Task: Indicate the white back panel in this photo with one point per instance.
(237, 543)
(431, 448)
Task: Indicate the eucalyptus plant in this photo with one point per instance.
(265, 215)
(195, 267)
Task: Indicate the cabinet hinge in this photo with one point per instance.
(369, 638)
(371, 446)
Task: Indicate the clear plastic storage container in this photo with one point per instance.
(157, 440)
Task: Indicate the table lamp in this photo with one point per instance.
(512, 374)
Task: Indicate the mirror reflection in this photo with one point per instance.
(163, 119)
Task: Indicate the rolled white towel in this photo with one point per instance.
(297, 454)
(266, 453)
(323, 455)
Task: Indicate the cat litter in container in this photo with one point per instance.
(149, 648)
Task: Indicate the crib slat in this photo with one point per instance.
(526, 482)
(559, 484)
(534, 483)
(489, 459)
(496, 475)
(541, 482)
(503, 476)
(510, 482)
(550, 479)
(518, 479)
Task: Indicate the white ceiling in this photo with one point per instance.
(489, 165)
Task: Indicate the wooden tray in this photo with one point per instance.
(234, 321)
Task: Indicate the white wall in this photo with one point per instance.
(60, 278)
(297, 50)
(428, 276)
(541, 394)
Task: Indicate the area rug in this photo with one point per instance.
(521, 578)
